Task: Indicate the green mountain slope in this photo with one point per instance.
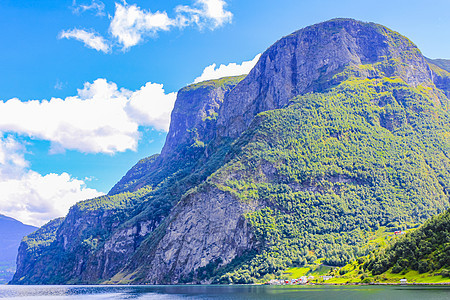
(426, 249)
(341, 128)
(332, 166)
(441, 63)
(420, 255)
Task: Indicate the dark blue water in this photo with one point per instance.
(225, 292)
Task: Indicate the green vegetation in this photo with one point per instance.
(221, 82)
(333, 168)
(424, 250)
(131, 180)
(42, 237)
(330, 174)
(147, 192)
(421, 255)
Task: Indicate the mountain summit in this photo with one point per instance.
(341, 129)
(314, 59)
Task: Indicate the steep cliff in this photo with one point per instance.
(310, 59)
(192, 127)
(341, 128)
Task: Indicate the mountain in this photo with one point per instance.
(11, 233)
(340, 129)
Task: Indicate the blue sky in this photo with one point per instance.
(88, 85)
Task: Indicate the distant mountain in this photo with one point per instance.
(441, 63)
(11, 234)
(340, 129)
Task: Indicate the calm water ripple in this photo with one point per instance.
(236, 292)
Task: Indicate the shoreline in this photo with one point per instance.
(357, 283)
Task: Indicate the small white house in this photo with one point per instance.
(403, 281)
(303, 280)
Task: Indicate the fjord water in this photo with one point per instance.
(225, 292)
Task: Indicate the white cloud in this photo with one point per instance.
(97, 6)
(130, 23)
(31, 197)
(12, 161)
(210, 13)
(232, 69)
(100, 119)
(151, 106)
(214, 10)
(35, 199)
(90, 39)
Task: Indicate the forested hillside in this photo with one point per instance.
(426, 249)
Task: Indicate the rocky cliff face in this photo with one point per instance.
(309, 60)
(94, 241)
(205, 228)
(192, 127)
(340, 129)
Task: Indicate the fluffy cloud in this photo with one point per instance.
(232, 69)
(12, 161)
(211, 13)
(130, 24)
(30, 197)
(100, 119)
(151, 106)
(90, 39)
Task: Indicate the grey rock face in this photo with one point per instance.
(194, 115)
(92, 244)
(192, 127)
(204, 227)
(307, 60)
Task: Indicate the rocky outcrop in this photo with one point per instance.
(92, 241)
(35, 254)
(193, 119)
(192, 127)
(204, 228)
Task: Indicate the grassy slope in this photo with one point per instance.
(441, 63)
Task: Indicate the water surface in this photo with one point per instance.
(235, 292)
